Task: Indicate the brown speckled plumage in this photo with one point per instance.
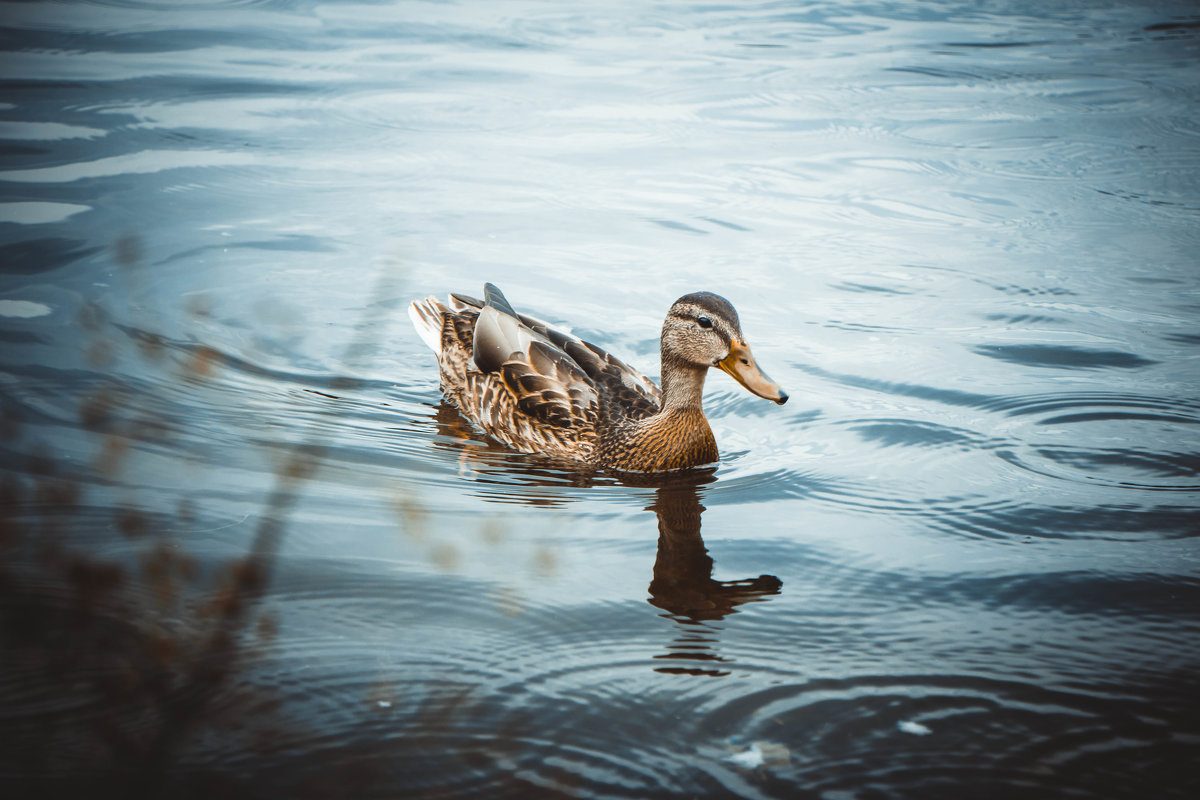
(540, 390)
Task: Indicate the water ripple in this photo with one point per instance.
(581, 673)
(1062, 357)
(978, 511)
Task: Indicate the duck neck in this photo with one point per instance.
(682, 386)
(677, 437)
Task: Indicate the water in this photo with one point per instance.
(961, 560)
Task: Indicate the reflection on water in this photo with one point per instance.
(966, 234)
(683, 584)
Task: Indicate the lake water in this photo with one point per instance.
(247, 551)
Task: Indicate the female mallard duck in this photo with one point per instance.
(539, 390)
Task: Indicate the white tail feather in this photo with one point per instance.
(426, 316)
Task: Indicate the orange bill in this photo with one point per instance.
(741, 365)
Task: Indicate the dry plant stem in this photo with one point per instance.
(251, 576)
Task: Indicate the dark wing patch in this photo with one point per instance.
(460, 302)
(495, 298)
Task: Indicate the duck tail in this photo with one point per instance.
(428, 317)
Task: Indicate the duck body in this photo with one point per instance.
(538, 389)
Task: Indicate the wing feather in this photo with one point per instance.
(635, 393)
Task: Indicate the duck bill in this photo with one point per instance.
(740, 364)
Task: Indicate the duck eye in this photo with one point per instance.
(704, 322)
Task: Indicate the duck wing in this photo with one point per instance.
(544, 382)
(541, 364)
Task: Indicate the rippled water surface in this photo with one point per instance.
(248, 550)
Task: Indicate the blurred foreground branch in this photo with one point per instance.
(142, 661)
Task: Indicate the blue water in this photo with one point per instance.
(246, 550)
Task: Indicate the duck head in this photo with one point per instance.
(702, 330)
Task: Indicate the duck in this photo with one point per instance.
(538, 389)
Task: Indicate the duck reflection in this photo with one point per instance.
(682, 584)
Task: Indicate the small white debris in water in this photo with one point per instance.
(915, 728)
(23, 309)
(749, 758)
(759, 754)
(384, 703)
